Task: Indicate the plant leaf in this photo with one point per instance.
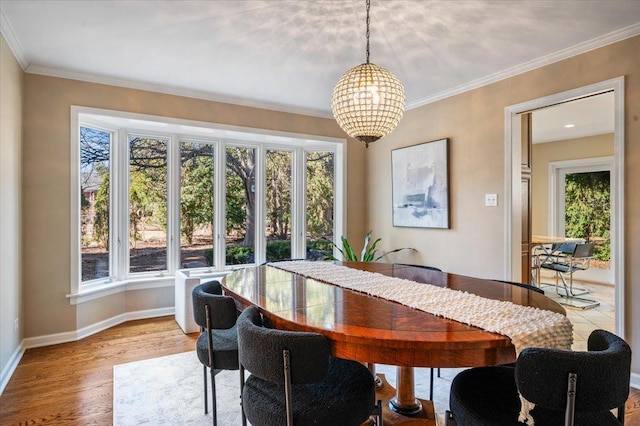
(363, 254)
(372, 251)
(348, 253)
(394, 251)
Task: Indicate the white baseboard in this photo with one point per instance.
(119, 319)
(72, 336)
(11, 366)
(635, 380)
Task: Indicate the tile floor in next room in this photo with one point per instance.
(586, 320)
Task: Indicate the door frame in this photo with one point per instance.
(512, 146)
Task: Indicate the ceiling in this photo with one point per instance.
(288, 54)
(588, 116)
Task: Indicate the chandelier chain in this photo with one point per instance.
(368, 7)
(368, 101)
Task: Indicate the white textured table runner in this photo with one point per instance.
(526, 326)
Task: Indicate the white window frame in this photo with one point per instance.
(121, 125)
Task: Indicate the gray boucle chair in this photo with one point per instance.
(566, 387)
(217, 346)
(295, 381)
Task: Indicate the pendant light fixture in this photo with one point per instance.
(368, 101)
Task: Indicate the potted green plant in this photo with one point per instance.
(368, 253)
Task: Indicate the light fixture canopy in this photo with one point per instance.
(368, 101)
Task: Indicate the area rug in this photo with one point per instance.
(168, 391)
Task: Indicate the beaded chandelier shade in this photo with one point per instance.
(368, 101)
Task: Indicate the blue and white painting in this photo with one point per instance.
(420, 185)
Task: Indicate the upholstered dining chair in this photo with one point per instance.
(217, 345)
(566, 387)
(295, 381)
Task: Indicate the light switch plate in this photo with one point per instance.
(491, 200)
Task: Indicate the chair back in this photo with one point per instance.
(583, 250)
(603, 374)
(566, 249)
(261, 351)
(522, 285)
(432, 268)
(222, 308)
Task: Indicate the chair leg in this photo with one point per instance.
(206, 399)
(568, 289)
(214, 408)
(571, 295)
(377, 414)
(621, 414)
(431, 385)
(244, 417)
(448, 419)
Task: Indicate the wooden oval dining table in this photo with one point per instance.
(374, 330)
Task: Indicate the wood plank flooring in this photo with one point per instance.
(72, 383)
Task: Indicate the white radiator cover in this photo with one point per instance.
(184, 306)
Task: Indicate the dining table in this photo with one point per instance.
(374, 330)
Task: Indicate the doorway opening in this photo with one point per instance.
(554, 223)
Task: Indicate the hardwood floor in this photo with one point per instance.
(72, 383)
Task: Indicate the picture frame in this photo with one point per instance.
(420, 185)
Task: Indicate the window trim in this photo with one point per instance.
(176, 130)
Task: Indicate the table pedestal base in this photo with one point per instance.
(386, 393)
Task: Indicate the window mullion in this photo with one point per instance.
(220, 185)
(298, 205)
(260, 205)
(339, 194)
(173, 204)
(123, 206)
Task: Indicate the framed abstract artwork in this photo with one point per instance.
(420, 185)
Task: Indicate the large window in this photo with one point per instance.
(147, 203)
(157, 196)
(241, 205)
(197, 204)
(320, 202)
(95, 167)
(278, 197)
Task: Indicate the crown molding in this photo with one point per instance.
(6, 29)
(173, 90)
(578, 49)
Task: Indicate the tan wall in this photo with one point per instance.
(112, 306)
(543, 154)
(474, 122)
(11, 86)
(46, 187)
